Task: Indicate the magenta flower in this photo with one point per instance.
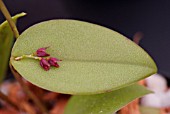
(44, 64)
(53, 61)
(41, 52)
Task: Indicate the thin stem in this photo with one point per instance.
(9, 19)
(28, 91)
(27, 56)
(16, 74)
(5, 98)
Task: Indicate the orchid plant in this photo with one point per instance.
(96, 65)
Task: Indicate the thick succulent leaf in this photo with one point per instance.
(95, 59)
(6, 42)
(106, 103)
(149, 110)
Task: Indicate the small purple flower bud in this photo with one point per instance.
(41, 52)
(44, 64)
(53, 61)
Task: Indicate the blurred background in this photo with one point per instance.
(150, 17)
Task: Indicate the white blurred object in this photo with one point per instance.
(156, 83)
(5, 87)
(161, 96)
(165, 99)
(158, 100)
(151, 100)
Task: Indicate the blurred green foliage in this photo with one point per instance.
(6, 42)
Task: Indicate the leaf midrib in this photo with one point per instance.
(110, 62)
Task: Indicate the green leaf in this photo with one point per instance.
(95, 59)
(149, 110)
(6, 42)
(106, 103)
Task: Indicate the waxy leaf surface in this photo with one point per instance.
(106, 103)
(94, 59)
